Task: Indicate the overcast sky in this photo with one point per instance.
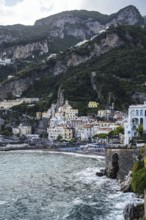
(28, 11)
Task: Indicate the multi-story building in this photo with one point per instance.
(22, 130)
(92, 104)
(104, 113)
(136, 116)
(68, 111)
(66, 133)
(86, 132)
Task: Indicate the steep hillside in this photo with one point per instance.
(144, 20)
(58, 32)
(109, 68)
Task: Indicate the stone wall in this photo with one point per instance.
(126, 160)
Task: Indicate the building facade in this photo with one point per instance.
(64, 132)
(136, 116)
(22, 130)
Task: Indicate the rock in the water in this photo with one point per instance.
(134, 212)
(101, 173)
(126, 184)
(112, 171)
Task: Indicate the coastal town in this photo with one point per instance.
(64, 125)
(72, 110)
(110, 133)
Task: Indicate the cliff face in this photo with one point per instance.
(94, 65)
(75, 23)
(27, 50)
(87, 51)
(72, 57)
(15, 88)
(67, 28)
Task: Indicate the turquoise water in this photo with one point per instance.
(43, 186)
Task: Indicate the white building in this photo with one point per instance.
(86, 132)
(5, 62)
(7, 104)
(22, 130)
(136, 116)
(104, 113)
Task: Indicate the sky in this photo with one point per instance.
(28, 11)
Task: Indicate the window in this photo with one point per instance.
(137, 112)
(141, 121)
(141, 112)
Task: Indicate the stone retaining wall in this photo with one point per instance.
(126, 160)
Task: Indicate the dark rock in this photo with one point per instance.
(133, 212)
(101, 173)
(112, 171)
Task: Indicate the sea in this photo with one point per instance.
(40, 185)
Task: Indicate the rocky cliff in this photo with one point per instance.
(103, 69)
(85, 52)
(83, 24)
(70, 58)
(62, 30)
(24, 51)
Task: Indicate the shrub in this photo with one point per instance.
(139, 181)
(145, 160)
(137, 166)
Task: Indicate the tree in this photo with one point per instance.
(111, 134)
(116, 131)
(7, 131)
(140, 130)
(102, 135)
(59, 138)
(119, 130)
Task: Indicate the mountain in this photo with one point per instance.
(59, 32)
(144, 17)
(108, 68)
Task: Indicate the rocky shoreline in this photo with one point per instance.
(131, 211)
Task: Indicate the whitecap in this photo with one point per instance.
(2, 202)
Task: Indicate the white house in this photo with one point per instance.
(136, 116)
(22, 130)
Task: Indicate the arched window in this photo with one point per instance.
(135, 121)
(134, 128)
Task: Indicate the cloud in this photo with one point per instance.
(28, 11)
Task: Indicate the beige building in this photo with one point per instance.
(68, 112)
(66, 133)
(92, 105)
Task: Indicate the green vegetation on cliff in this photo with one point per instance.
(116, 76)
(139, 181)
